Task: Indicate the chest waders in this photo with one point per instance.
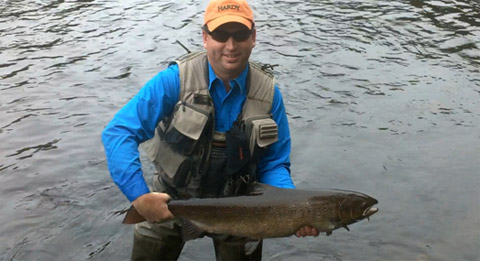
(214, 180)
(192, 159)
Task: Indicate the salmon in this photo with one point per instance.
(268, 212)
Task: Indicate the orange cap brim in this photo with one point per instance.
(212, 25)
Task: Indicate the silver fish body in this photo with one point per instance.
(268, 212)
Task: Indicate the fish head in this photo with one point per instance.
(355, 207)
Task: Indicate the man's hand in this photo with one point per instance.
(306, 231)
(153, 207)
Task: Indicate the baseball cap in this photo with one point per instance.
(220, 12)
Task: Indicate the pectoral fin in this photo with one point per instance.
(190, 231)
(251, 246)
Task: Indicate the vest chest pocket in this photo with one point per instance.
(186, 127)
(175, 167)
(263, 131)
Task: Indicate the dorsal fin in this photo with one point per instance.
(257, 189)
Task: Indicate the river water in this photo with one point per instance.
(383, 97)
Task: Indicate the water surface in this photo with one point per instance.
(382, 97)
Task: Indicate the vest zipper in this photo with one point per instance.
(194, 108)
(209, 150)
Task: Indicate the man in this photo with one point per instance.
(214, 121)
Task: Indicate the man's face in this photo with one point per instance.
(228, 59)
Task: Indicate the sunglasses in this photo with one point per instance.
(222, 36)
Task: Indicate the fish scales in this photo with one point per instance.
(267, 212)
(255, 221)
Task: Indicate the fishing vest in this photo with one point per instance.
(181, 147)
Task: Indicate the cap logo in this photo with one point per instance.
(228, 7)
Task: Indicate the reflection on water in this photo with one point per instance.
(383, 98)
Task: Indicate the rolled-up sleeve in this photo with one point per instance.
(274, 167)
(134, 124)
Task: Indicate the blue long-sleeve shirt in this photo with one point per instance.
(137, 120)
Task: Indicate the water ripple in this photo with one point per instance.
(42, 147)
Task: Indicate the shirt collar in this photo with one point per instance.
(241, 79)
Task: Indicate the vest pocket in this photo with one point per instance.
(263, 131)
(175, 166)
(186, 127)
